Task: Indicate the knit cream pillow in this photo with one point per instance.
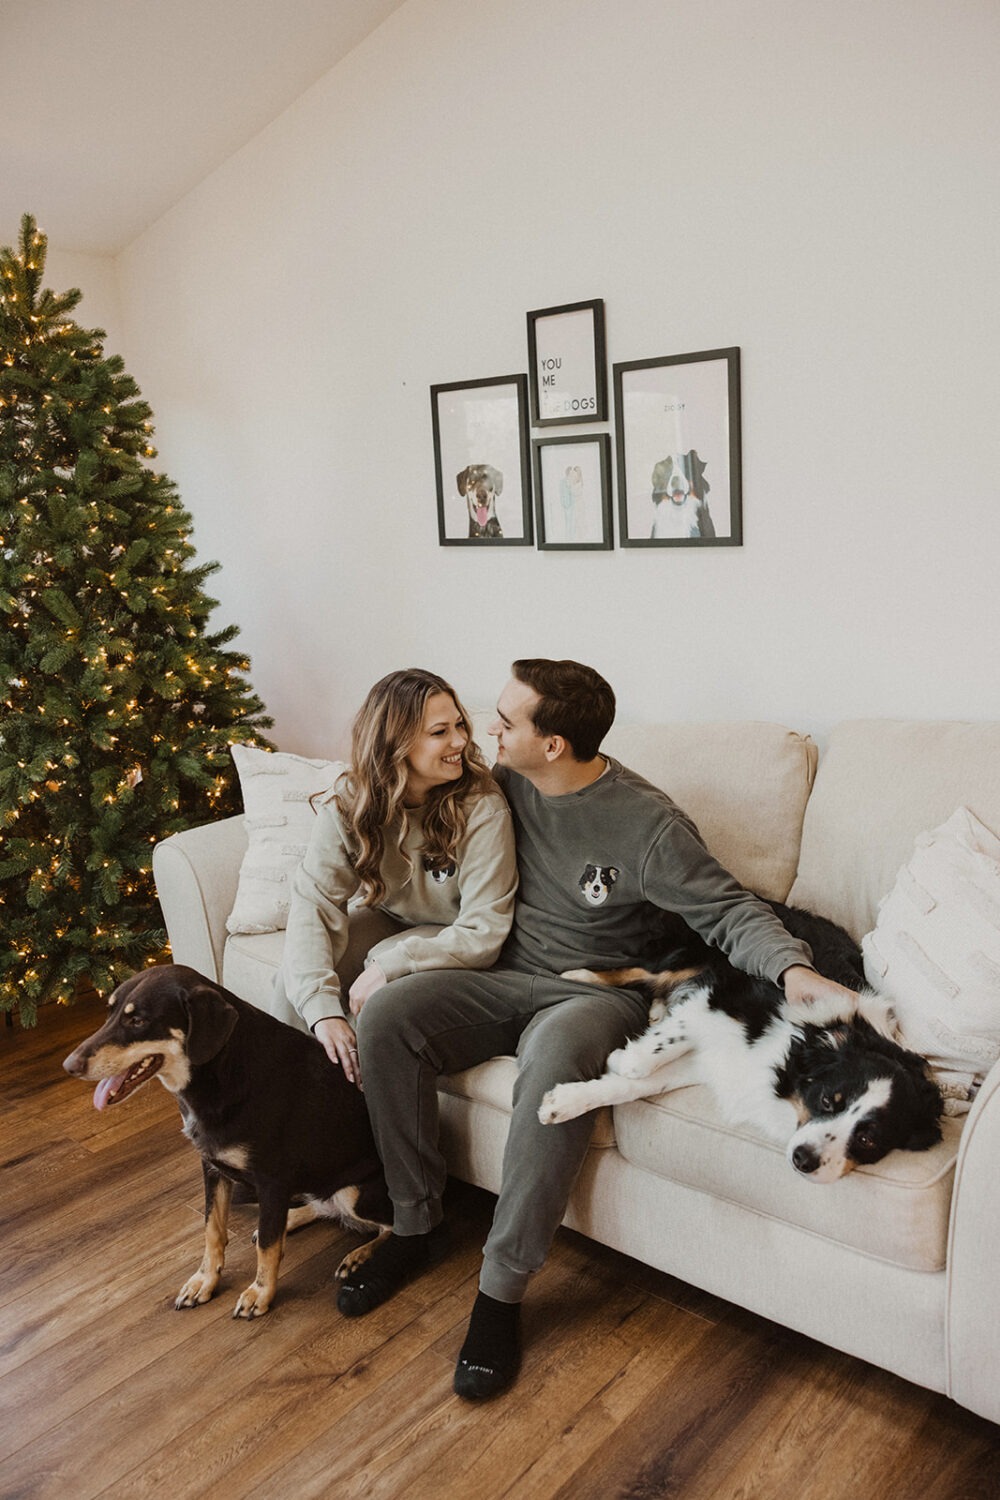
(279, 820)
(936, 949)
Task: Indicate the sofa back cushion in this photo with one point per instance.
(745, 784)
(881, 782)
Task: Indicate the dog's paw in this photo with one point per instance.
(580, 976)
(254, 1301)
(356, 1258)
(629, 1062)
(198, 1289)
(564, 1102)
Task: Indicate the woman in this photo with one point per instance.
(416, 825)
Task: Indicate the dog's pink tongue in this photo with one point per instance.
(481, 514)
(104, 1090)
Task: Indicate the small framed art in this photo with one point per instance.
(567, 364)
(481, 462)
(572, 482)
(679, 479)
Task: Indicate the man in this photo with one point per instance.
(576, 812)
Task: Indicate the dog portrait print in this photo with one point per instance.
(479, 485)
(680, 509)
(679, 431)
(482, 462)
(596, 882)
(440, 873)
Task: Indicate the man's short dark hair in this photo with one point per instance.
(575, 702)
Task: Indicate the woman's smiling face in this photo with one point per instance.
(435, 757)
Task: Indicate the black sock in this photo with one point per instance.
(494, 1337)
(400, 1254)
(402, 1250)
(392, 1263)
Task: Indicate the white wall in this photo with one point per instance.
(96, 277)
(815, 183)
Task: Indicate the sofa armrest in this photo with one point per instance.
(197, 873)
(973, 1305)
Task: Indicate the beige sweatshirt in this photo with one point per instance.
(471, 905)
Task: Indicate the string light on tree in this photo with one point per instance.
(112, 735)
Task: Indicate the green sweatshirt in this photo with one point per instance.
(461, 915)
(593, 863)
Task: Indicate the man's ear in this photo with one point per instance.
(555, 747)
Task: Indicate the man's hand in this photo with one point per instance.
(367, 982)
(811, 998)
(803, 986)
(336, 1037)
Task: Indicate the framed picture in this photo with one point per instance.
(481, 462)
(573, 493)
(567, 364)
(678, 420)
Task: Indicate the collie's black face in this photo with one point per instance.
(860, 1096)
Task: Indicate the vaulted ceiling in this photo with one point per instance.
(112, 110)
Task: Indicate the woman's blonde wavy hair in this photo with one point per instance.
(369, 795)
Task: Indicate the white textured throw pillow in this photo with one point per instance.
(936, 949)
(276, 790)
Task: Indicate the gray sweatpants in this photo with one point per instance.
(426, 1024)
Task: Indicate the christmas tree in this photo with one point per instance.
(117, 705)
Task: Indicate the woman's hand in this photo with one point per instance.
(336, 1037)
(367, 982)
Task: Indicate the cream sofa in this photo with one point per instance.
(895, 1264)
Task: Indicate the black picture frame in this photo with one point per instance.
(573, 511)
(567, 364)
(480, 425)
(679, 450)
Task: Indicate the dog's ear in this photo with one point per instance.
(496, 478)
(696, 474)
(928, 1106)
(661, 475)
(211, 1022)
(923, 1138)
(462, 479)
(877, 1041)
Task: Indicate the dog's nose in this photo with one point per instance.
(75, 1063)
(804, 1159)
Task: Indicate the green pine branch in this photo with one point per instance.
(117, 703)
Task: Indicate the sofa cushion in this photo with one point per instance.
(896, 1211)
(745, 785)
(880, 783)
(492, 1083)
(936, 950)
(249, 964)
(276, 789)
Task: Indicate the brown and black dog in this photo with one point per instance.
(263, 1104)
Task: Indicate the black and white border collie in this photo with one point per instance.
(827, 1081)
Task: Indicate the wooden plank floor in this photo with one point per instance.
(634, 1385)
